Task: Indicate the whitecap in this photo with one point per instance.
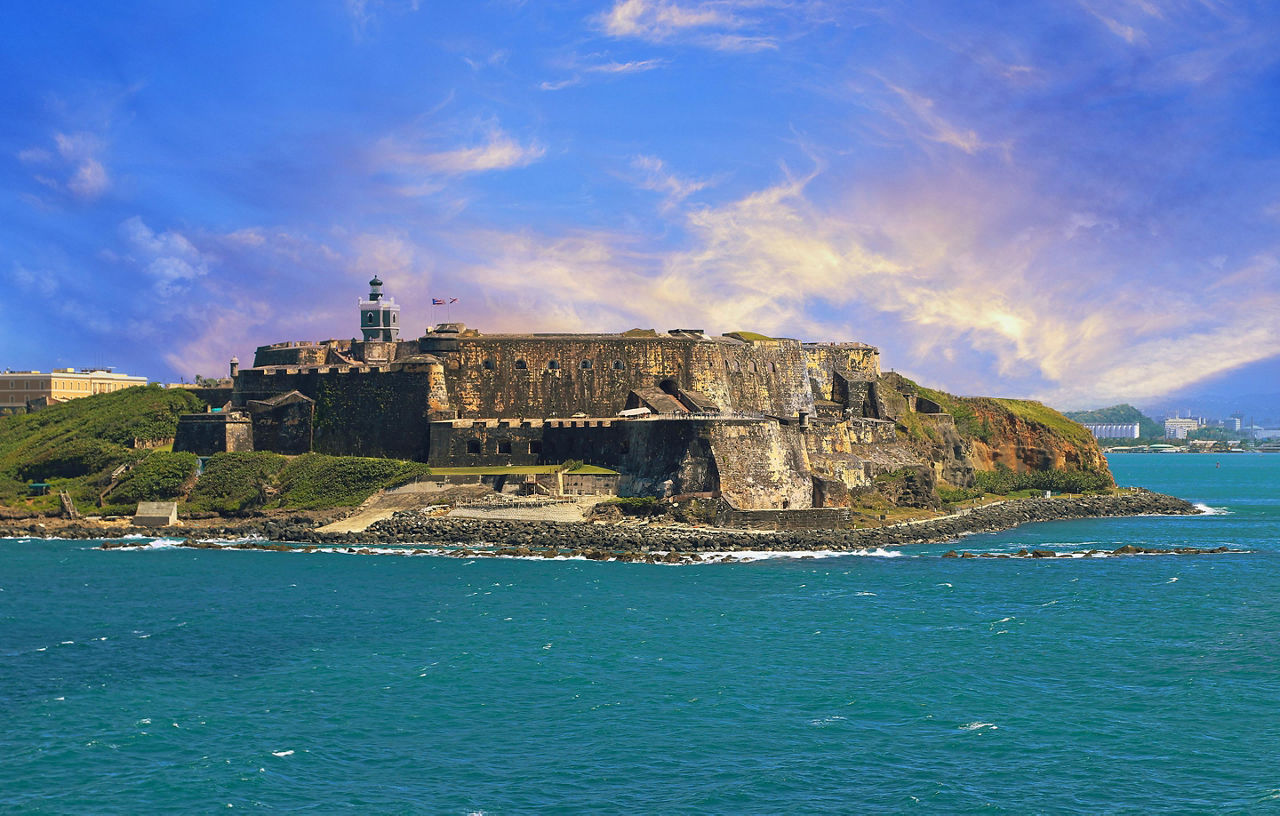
(282, 753)
(946, 584)
(978, 726)
(1171, 580)
(865, 595)
(1206, 510)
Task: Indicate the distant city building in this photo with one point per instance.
(1178, 427)
(1233, 423)
(1114, 430)
(22, 389)
(379, 315)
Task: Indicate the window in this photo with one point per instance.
(535, 446)
(617, 365)
(504, 446)
(587, 365)
(473, 446)
(488, 365)
(521, 365)
(553, 365)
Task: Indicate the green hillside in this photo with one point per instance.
(1148, 427)
(77, 444)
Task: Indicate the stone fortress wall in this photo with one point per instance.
(762, 422)
(765, 423)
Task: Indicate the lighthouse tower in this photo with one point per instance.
(379, 315)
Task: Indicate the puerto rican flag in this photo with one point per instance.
(437, 302)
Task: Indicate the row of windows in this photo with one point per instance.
(617, 365)
(64, 385)
(475, 447)
(554, 365)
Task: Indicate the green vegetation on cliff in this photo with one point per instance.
(1148, 428)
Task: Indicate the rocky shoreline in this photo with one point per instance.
(606, 540)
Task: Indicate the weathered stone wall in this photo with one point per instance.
(854, 361)
(286, 428)
(207, 434)
(508, 376)
(825, 518)
(762, 465)
(358, 412)
(485, 442)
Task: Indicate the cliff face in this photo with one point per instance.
(967, 436)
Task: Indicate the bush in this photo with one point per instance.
(159, 477)
(633, 505)
(235, 482)
(79, 457)
(1004, 481)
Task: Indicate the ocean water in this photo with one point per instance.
(167, 680)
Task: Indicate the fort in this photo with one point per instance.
(763, 423)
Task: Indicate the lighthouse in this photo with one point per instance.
(379, 315)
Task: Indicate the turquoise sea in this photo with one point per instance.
(180, 681)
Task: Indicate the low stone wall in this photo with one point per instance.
(814, 518)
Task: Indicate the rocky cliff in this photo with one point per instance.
(1025, 443)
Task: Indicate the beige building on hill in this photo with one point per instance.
(18, 389)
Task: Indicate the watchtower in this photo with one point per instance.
(379, 315)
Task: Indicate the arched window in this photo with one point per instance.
(521, 365)
(488, 365)
(587, 365)
(553, 365)
(617, 365)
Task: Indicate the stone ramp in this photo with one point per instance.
(386, 503)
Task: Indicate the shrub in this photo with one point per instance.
(235, 482)
(161, 476)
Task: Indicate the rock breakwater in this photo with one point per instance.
(604, 540)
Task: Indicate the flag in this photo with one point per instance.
(437, 302)
(453, 300)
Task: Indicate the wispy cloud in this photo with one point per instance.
(714, 24)
(919, 116)
(655, 175)
(420, 169)
(77, 160)
(604, 69)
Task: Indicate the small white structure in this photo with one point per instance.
(1178, 427)
(1113, 430)
(156, 514)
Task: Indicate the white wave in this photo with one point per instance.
(1171, 580)
(1206, 510)
(946, 584)
(865, 595)
(282, 753)
(978, 726)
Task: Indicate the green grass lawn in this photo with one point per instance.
(494, 470)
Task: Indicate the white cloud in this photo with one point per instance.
(711, 24)
(498, 151)
(169, 258)
(659, 19)
(635, 66)
(78, 159)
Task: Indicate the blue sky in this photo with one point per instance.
(1073, 201)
